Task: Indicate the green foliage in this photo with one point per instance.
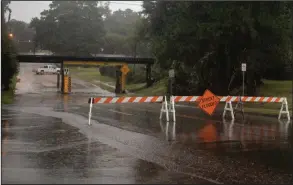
(206, 42)
(8, 95)
(70, 27)
(8, 53)
(22, 35)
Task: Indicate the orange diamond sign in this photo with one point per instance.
(124, 69)
(208, 102)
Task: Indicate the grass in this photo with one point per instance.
(93, 75)
(8, 96)
(271, 88)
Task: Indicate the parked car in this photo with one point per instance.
(48, 69)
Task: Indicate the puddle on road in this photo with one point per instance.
(58, 153)
(208, 146)
(178, 157)
(242, 142)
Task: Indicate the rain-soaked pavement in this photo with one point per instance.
(46, 139)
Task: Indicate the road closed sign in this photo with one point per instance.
(209, 102)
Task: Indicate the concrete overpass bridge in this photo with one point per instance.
(121, 62)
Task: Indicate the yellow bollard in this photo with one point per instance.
(65, 87)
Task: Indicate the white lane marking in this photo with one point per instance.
(112, 110)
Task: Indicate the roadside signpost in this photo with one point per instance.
(171, 77)
(171, 73)
(240, 103)
(124, 69)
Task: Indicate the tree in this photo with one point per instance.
(22, 35)
(70, 27)
(8, 54)
(122, 36)
(207, 42)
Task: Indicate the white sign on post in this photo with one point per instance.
(171, 73)
(243, 67)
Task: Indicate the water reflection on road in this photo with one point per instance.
(228, 133)
(267, 143)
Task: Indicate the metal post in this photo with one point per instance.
(243, 73)
(148, 75)
(171, 77)
(171, 86)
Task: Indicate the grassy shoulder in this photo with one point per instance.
(274, 89)
(8, 96)
(93, 75)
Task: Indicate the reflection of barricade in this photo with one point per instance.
(231, 131)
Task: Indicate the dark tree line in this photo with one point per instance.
(8, 51)
(206, 42)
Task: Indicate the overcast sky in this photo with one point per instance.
(26, 10)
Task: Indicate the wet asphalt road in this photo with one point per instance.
(46, 139)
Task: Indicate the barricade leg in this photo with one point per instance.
(286, 111)
(172, 106)
(228, 107)
(164, 109)
(90, 111)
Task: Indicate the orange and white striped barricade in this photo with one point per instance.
(169, 106)
(229, 99)
(109, 100)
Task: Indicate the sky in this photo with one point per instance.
(26, 10)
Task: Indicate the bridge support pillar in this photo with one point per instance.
(118, 87)
(148, 75)
(62, 77)
(123, 82)
(58, 80)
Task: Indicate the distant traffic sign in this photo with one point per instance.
(209, 102)
(171, 73)
(124, 69)
(243, 67)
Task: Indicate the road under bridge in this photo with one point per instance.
(120, 62)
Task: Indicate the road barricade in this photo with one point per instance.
(109, 100)
(168, 106)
